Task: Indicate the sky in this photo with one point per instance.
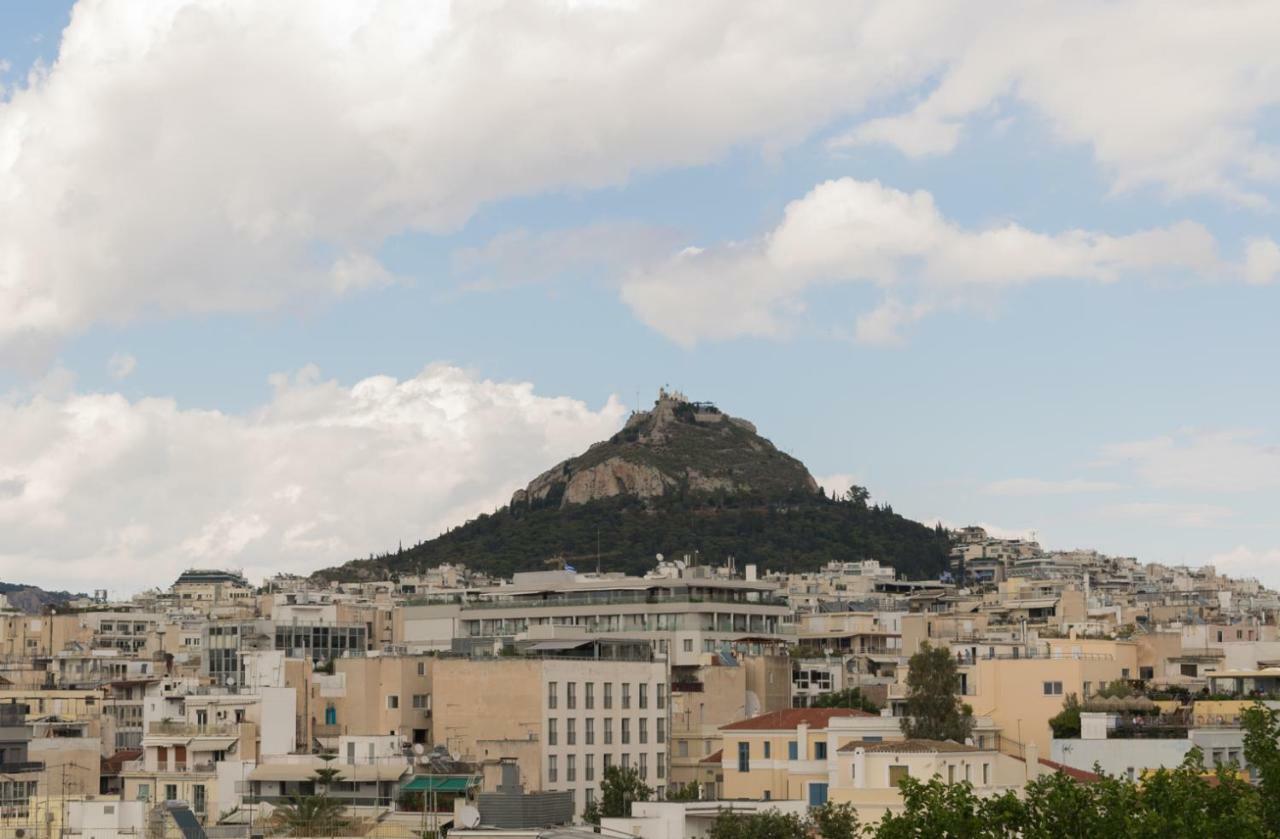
(285, 284)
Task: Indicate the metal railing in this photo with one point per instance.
(191, 729)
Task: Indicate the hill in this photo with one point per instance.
(31, 599)
(681, 478)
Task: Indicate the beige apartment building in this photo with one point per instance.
(781, 755)
(374, 695)
(564, 720)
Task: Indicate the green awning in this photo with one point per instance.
(439, 783)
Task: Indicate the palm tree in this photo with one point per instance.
(310, 815)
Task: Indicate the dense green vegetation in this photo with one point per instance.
(934, 708)
(798, 532)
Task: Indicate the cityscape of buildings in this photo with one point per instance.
(496, 706)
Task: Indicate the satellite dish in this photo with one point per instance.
(418, 748)
(231, 681)
(469, 816)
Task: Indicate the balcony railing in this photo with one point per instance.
(21, 766)
(619, 600)
(191, 729)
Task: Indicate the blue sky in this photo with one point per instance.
(1111, 389)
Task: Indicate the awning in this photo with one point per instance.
(558, 645)
(439, 783)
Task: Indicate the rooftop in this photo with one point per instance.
(789, 718)
(919, 746)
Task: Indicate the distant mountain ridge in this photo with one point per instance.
(681, 478)
(32, 599)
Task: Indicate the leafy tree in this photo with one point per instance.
(934, 709)
(857, 496)
(769, 824)
(326, 775)
(619, 788)
(934, 809)
(1067, 722)
(691, 791)
(1262, 751)
(847, 698)
(835, 821)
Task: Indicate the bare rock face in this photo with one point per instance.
(613, 477)
(678, 445)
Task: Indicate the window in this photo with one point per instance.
(1088, 689)
(662, 765)
(197, 798)
(688, 645)
(744, 757)
(986, 774)
(608, 761)
(1053, 688)
(591, 731)
(626, 731)
(951, 773)
(768, 750)
(608, 695)
(571, 695)
(551, 694)
(608, 731)
(571, 732)
(590, 697)
(626, 695)
(419, 700)
(820, 751)
(1146, 673)
(662, 729)
(682, 748)
(144, 792)
(662, 697)
(552, 770)
(570, 768)
(170, 792)
(551, 732)
(793, 750)
(644, 764)
(590, 768)
(896, 773)
(644, 730)
(626, 760)
(644, 696)
(1124, 672)
(1188, 670)
(393, 702)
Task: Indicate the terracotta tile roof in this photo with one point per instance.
(789, 718)
(1081, 775)
(920, 746)
(716, 757)
(112, 765)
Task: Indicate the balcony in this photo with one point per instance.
(191, 729)
(690, 686)
(21, 766)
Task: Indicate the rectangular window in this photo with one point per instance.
(590, 697)
(420, 700)
(688, 645)
(422, 668)
(591, 731)
(144, 792)
(626, 730)
(393, 702)
(662, 765)
(662, 697)
(793, 750)
(682, 748)
(644, 730)
(819, 751)
(1053, 688)
(197, 798)
(551, 695)
(1146, 673)
(744, 757)
(644, 696)
(552, 770)
(170, 792)
(571, 695)
(951, 773)
(626, 695)
(644, 765)
(608, 695)
(551, 732)
(607, 762)
(662, 729)
(570, 768)
(986, 774)
(626, 760)
(591, 767)
(608, 731)
(897, 773)
(571, 732)
(768, 748)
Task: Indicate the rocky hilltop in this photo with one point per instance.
(677, 447)
(679, 478)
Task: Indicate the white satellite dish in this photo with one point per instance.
(231, 681)
(469, 816)
(418, 748)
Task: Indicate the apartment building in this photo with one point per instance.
(375, 694)
(563, 720)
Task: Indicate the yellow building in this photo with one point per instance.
(374, 695)
(780, 755)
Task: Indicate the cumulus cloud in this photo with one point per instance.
(837, 483)
(1162, 93)
(1205, 461)
(1245, 561)
(848, 231)
(1262, 261)
(106, 491)
(1029, 487)
(1171, 514)
(233, 155)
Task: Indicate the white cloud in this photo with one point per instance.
(233, 155)
(1262, 261)
(1205, 461)
(1029, 487)
(1164, 93)
(1244, 561)
(103, 491)
(837, 483)
(849, 231)
(121, 365)
(1171, 514)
